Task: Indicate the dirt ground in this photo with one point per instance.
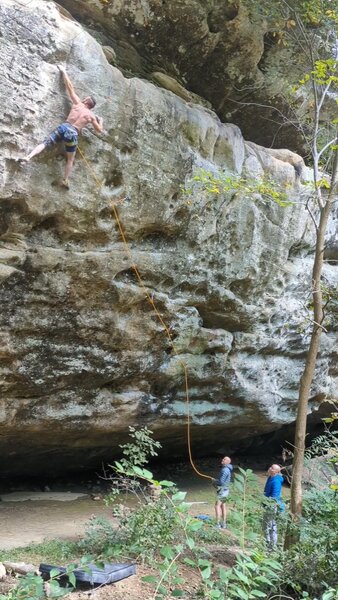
(35, 520)
(46, 518)
(27, 521)
(132, 588)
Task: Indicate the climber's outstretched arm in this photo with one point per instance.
(97, 123)
(69, 86)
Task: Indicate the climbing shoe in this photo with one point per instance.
(65, 184)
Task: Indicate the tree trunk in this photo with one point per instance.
(310, 364)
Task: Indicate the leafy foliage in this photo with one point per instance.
(102, 538)
(247, 514)
(311, 565)
(30, 586)
(330, 297)
(150, 525)
(33, 587)
(140, 449)
(161, 531)
(253, 576)
(263, 189)
(323, 444)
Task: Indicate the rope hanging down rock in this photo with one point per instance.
(150, 299)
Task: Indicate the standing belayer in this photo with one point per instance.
(80, 116)
(273, 505)
(223, 488)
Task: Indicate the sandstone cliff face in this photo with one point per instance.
(83, 354)
(216, 49)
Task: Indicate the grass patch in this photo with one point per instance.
(50, 551)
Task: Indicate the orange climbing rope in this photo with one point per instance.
(186, 383)
(150, 299)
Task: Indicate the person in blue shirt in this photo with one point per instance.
(223, 484)
(272, 490)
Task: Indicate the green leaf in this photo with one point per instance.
(167, 552)
(206, 573)
(195, 525)
(72, 579)
(87, 569)
(177, 580)
(179, 496)
(240, 478)
(54, 573)
(190, 562)
(177, 593)
(144, 473)
(88, 558)
(258, 594)
(240, 593)
(216, 594)
(163, 590)
(183, 507)
(242, 577)
(262, 579)
(165, 483)
(272, 563)
(224, 574)
(56, 591)
(202, 562)
(191, 543)
(150, 579)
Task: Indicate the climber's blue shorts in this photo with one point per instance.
(66, 132)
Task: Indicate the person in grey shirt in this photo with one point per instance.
(222, 483)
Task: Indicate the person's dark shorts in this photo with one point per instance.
(64, 132)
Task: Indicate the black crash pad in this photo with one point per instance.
(109, 574)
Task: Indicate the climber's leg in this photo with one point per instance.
(39, 148)
(68, 168)
(53, 138)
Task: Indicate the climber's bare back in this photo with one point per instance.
(80, 116)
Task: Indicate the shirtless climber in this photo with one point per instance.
(80, 116)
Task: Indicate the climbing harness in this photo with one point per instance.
(151, 301)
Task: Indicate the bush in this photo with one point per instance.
(141, 531)
(102, 538)
(151, 526)
(311, 564)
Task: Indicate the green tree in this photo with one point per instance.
(315, 31)
(308, 29)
